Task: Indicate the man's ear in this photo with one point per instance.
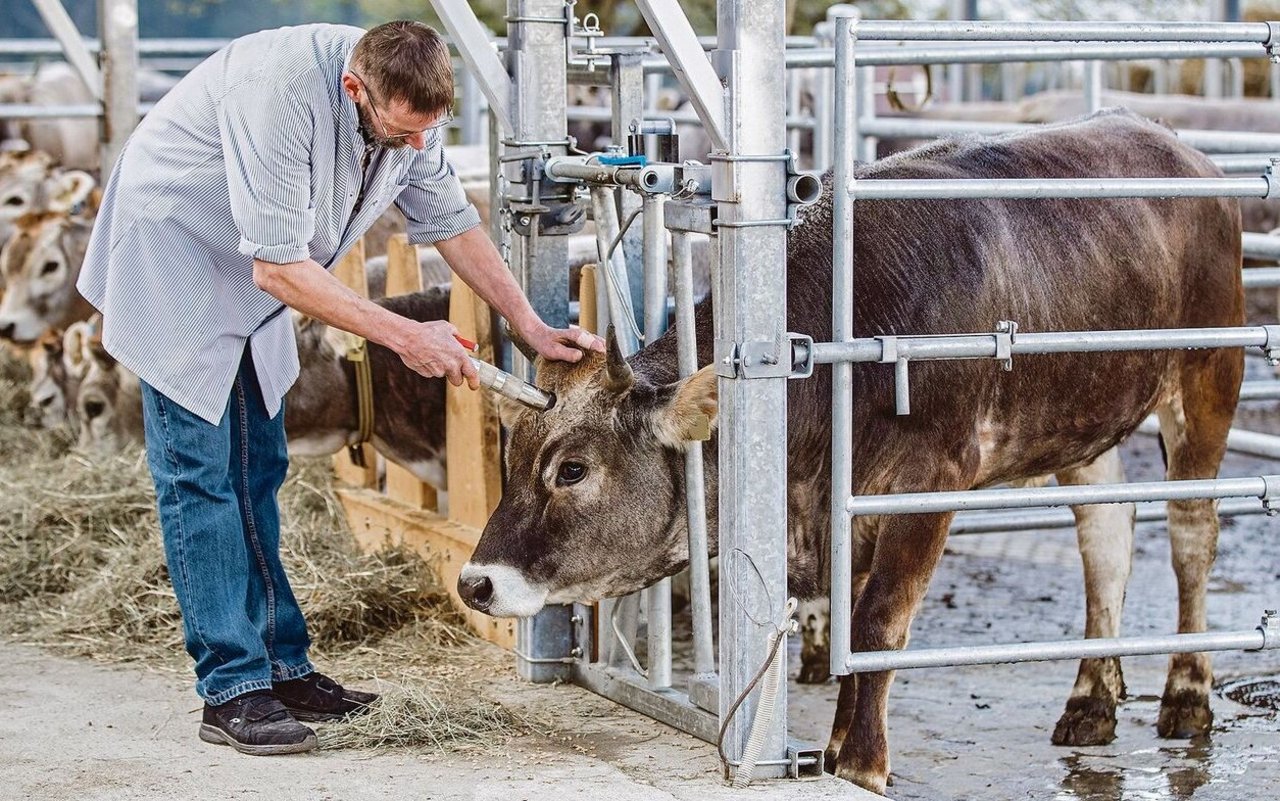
(690, 414)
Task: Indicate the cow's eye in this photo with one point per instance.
(13, 201)
(49, 267)
(571, 473)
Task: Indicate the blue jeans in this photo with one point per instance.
(216, 493)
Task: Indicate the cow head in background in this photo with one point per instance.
(318, 409)
(30, 182)
(594, 504)
(108, 402)
(40, 264)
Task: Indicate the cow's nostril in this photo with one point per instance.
(94, 408)
(6, 331)
(476, 592)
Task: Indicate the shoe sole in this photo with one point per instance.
(216, 736)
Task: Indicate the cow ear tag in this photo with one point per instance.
(699, 428)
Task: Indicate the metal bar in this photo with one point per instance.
(1260, 390)
(64, 30)
(843, 301)
(1244, 162)
(690, 64)
(1037, 31)
(474, 45)
(628, 689)
(752, 416)
(596, 114)
(825, 125)
(704, 656)
(658, 615)
(1207, 141)
(1037, 519)
(626, 81)
(118, 26)
(1254, 443)
(978, 346)
(536, 59)
(875, 661)
(26, 111)
(1035, 188)
(1025, 497)
(1262, 278)
(1092, 86)
(864, 147)
(614, 268)
(1260, 246)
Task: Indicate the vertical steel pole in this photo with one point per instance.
(536, 63)
(842, 303)
(118, 26)
(955, 72)
(822, 102)
(750, 190)
(864, 147)
(1092, 86)
(627, 81)
(658, 612)
(704, 655)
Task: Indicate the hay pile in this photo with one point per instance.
(82, 573)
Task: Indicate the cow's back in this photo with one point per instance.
(957, 266)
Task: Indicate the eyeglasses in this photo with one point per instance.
(440, 122)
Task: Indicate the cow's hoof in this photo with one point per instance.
(867, 780)
(1086, 721)
(829, 761)
(814, 672)
(1184, 714)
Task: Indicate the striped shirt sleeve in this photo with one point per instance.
(433, 202)
(266, 142)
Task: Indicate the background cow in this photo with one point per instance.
(594, 505)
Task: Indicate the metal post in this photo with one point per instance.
(750, 188)
(864, 147)
(658, 612)
(72, 42)
(955, 72)
(118, 20)
(823, 124)
(704, 665)
(1092, 86)
(842, 331)
(627, 96)
(536, 62)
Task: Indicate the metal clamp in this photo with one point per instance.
(789, 356)
(1271, 347)
(890, 353)
(1273, 42)
(1271, 495)
(1006, 330)
(1273, 180)
(1270, 628)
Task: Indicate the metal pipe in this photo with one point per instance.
(978, 346)
(1243, 162)
(614, 269)
(649, 180)
(1037, 519)
(1024, 497)
(864, 147)
(655, 322)
(1254, 443)
(1260, 390)
(704, 656)
(118, 25)
(1207, 141)
(875, 661)
(1092, 86)
(1260, 246)
(843, 302)
(1038, 31)
(1037, 188)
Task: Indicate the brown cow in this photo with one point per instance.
(40, 263)
(594, 505)
(108, 401)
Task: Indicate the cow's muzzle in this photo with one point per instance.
(476, 592)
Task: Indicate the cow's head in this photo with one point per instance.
(40, 264)
(49, 384)
(30, 182)
(593, 505)
(317, 408)
(108, 402)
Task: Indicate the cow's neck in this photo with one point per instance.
(409, 413)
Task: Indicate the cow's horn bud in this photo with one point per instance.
(618, 375)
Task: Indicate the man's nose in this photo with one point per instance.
(418, 141)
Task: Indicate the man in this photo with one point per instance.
(230, 201)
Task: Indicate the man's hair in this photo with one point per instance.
(407, 61)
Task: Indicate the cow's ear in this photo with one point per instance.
(690, 413)
(72, 191)
(74, 358)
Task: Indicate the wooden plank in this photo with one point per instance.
(350, 271)
(405, 276)
(446, 545)
(587, 315)
(471, 421)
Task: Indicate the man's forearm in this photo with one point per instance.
(474, 258)
(312, 290)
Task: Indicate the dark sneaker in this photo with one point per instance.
(316, 697)
(256, 723)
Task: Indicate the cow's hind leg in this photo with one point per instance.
(1106, 547)
(1194, 428)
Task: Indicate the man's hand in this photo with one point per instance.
(562, 344)
(430, 349)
